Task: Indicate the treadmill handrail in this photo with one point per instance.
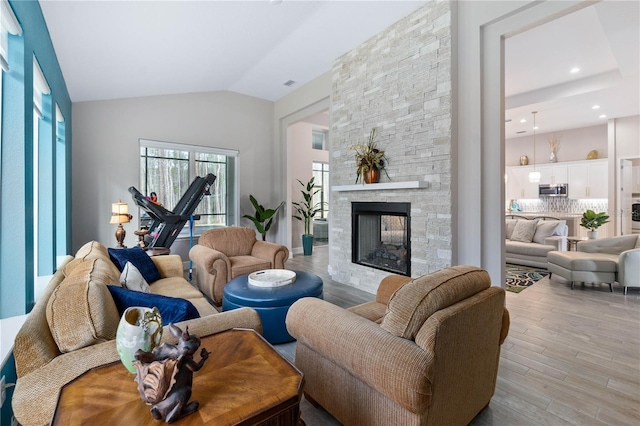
(167, 224)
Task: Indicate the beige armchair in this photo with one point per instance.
(425, 352)
(225, 253)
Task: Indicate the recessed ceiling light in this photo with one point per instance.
(523, 121)
(603, 116)
(536, 128)
(595, 107)
(575, 70)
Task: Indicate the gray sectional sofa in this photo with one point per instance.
(529, 242)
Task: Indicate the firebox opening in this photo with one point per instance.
(381, 236)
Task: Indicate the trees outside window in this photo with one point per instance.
(167, 169)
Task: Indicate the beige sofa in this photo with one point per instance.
(71, 329)
(550, 234)
(225, 253)
(425, 352)
(603, 260)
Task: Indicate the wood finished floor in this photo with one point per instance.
(572, 357)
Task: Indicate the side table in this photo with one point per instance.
(157, 251)
(245, 381)
(572, 242)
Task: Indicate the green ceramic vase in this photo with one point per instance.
(139, 328)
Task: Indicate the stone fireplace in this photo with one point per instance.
(399, 82)
(381, 236)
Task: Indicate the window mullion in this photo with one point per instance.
(192, 165)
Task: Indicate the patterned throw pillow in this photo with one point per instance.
(524, 231)
(132, 279)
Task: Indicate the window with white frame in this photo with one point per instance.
(8, 25)
(319, 139)
(42, 160)
(60, 166)
(167, 170)
(321, 180)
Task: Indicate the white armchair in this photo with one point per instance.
(605, 260)
(628, 249)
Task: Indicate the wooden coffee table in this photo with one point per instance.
(245, 381)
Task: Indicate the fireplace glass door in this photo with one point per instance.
(381, 236)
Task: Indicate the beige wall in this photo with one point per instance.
(479, 110)
(574, 144)
(307, 100)
(106, 151)
(628, 137)
(302, 158)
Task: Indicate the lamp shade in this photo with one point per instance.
(120, 213)
(534, 177)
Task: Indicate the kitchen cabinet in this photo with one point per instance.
(588, 179)
(553, 174)
(518, 185)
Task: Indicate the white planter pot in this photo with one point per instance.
(592, 235)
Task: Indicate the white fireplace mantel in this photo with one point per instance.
(414, 184)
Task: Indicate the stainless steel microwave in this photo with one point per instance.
(560, 190)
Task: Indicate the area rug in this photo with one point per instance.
(521, 277)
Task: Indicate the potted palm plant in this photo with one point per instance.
(592, 221)
(263, 218)
(306, 210)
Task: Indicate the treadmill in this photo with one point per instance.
(166, 224)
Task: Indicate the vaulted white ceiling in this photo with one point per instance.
(122, 49)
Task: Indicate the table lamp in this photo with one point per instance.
(120, 214)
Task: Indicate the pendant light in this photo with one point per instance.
(534, 176)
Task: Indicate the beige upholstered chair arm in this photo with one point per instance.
(205, 257)
(506, 323)
(388, 286)
(558, 241)
(36, 393)
(629, 268)
(211, 324)
(275, 253)
(169, 266)
(392, 365)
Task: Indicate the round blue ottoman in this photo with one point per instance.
(271, 303)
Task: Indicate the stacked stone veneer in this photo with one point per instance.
(399, 82)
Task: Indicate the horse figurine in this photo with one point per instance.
(165, 376)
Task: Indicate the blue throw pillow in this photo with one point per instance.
(172, 309)
(140, 260)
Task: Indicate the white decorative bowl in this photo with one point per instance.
(272, 278)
